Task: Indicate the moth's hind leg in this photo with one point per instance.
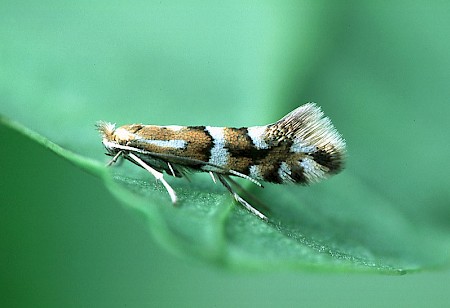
(178, 171)
(158, 175)
(224, 179)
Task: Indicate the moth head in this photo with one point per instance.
(106, 130)
(112, 137)
(110, 133)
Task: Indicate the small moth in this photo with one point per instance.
(303, 147)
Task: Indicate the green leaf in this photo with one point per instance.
(308, 232)
(387, 212)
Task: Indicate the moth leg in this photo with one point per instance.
(171, 169)
(181, 172)
(213, 177)
(114, 159)
(158, 176)
(223, 179)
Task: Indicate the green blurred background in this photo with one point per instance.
(380, 71)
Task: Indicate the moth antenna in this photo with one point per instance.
(241, 175)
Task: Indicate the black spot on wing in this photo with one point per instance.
(200, 127)
(328, 159)
(137, 128)
(207, 149)
(298, 175)
(272, 174)
(244, 147)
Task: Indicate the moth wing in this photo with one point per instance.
(186, 164)
(319, 147)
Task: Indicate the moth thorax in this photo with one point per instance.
(122, 135)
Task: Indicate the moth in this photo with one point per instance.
(302, 148)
